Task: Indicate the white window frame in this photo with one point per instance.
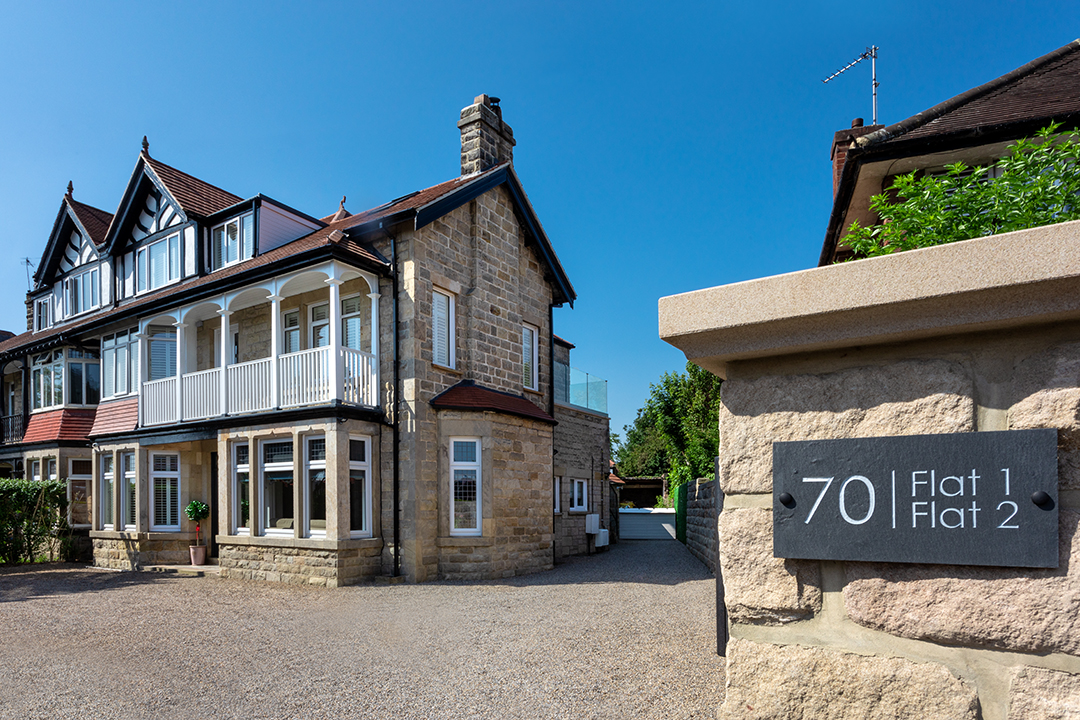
(107, 500)
(165, 337)
(439, 353)
(238, 469)
(142, 264)
(35, 470)
(216, 359)
(87, 359)
(131, 500)
(288, 330)
(82, 292)
(244, 250)
(172, 524)
(345, 317)
(575, 484)
(556, 488)
(364, 465)
(264, 468)
(125, 343)
(87, 480)
(310, 465)
(530, 356)
(463, 465)
(48, 365)
(43, 314)
(314, 324)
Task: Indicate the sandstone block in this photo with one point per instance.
(1025, 610)
(759, 588)
(1046, 394)
(906, 398)
(1037, 694)
(800, 683)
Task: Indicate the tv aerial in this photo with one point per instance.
(871, 53)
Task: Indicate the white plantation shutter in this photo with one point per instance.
(440, 329)
(166, 491)
(350, 323)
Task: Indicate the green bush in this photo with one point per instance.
(33, 521)
(1038, 185)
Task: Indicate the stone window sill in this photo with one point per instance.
(312, 543)
(467, 541)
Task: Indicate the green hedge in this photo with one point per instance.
(680, 498)
(33, 521)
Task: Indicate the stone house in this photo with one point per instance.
(354, 395)
(974, 127)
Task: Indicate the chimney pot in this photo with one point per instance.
(857, 122)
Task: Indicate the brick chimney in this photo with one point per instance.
(842, 143)
(485, 139)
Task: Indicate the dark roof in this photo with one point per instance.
(94, 220)
(196, 197)
(564, 343)
(467, 395)
(1012, 106)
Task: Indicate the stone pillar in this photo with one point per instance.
(970, 337)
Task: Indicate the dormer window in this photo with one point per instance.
(158, 263)
(82, 292)
(42, 314)
(232, 241)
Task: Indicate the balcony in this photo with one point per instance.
(195, 375)
(579, 388)
(12, 428)
(303, 378)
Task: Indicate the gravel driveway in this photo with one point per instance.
(629, 633)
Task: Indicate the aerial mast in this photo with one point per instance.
(871, 52)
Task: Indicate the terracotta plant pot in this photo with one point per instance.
(198, 554)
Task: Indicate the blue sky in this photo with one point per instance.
(666, 146)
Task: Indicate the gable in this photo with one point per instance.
(70, 246)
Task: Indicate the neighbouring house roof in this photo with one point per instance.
(56, 425)
(116, 417)
(1012, 106)
(467, 395)
(564, 343)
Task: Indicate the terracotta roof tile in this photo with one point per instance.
(94, 220)
(467, 395)
(194, 195)
(64, 424)
(116, 416)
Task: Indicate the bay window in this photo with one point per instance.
(320, 325)
(127, 465)
(158, 263)
(465, 486)
(359, 487)
(315, 486)
(276, 471)
(84, 377)
(351, 323)
(47, 380)
(232, 241)
(165, 492)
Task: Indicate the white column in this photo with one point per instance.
(181, 363)
(226, 346)
(376, 360)
(275, 350)
(336, 369)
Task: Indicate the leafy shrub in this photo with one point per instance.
(33, 521)
(1039, 184)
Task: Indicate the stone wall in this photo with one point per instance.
(701, 532)
(134, 551)
(995, 348)
(581, 451)
(287, 563)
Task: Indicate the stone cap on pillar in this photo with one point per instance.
(1001, 281)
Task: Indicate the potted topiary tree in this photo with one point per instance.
(197, 511)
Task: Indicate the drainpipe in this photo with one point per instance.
(551, 412)
(397, 406)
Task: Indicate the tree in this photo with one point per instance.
(1037, 184)
(676, 432)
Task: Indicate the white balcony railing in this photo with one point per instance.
(202, 394)
(249, 387)
(303, 379)
(359, 377)
(159, 401)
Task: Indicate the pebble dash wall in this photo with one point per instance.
(977, 336)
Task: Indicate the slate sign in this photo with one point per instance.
(981, 498)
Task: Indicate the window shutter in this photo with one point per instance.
(247, 236)
(528, 342)
(440, 323)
